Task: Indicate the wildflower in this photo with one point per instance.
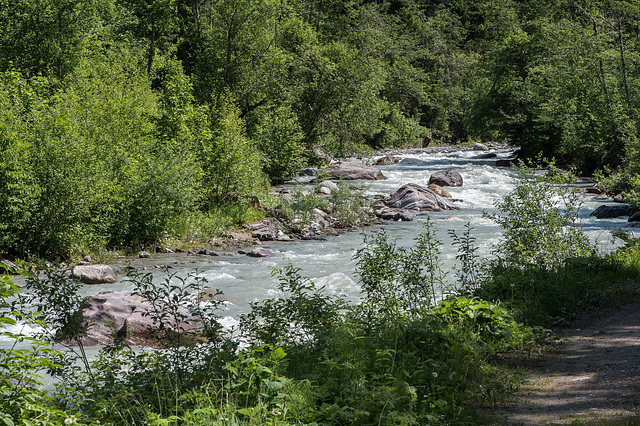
(434, 374)
(68, 421)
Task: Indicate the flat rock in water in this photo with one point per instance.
(413, 162)
(393, 214)
(107, 311)
(446, 178)
(260, 252)
(610, 212)
(353, 170)
(94, 274)
(416, 197)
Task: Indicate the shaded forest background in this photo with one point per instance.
(122, 121)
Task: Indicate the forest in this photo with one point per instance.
(124, 121)
(127, 122)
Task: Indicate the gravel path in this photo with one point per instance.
(593, 375)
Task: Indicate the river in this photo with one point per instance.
(330, 263)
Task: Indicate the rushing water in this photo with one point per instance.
(330, 263)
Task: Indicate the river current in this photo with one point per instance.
(330, 263)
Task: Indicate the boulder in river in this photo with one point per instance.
(416, 197)
(387, 160)
(393, 214)
(635, 217)
(409, 161)
(446, 178)
(480, 147)
(595, 189)
(610, 212)
(487, 156)
(94, 274)
(107, 311)
(353, 170)
(260, 252)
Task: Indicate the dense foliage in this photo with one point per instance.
(119, 116)
(411, 351)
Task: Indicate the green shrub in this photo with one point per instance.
(279, 138)
(539, 221)
(301, 316)
(230, 161)
(21, 401)
(546, 269)
(398, 281)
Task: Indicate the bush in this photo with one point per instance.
(89, 161)
(21, 401)
(230, 161)
(397, 281)
(546, 269)
(279, 138)
(539, 221)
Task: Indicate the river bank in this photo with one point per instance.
(422, 361)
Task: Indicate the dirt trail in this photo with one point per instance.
(591, 376)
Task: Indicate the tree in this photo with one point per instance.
(229, 159)
(43, 37)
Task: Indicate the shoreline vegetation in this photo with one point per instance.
(399, 356)
(125, 124)
(227, 226)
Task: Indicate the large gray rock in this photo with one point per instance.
(416, 197)
(94, 274)
(322, 218)
(446, 178)
(353, 170)
(327, 187)
(393, 214)
(107, 311)
(609, 212)
(260, 252)
(480, 147)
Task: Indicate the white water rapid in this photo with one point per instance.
(330, 263)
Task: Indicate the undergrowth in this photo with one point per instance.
(411, 352)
